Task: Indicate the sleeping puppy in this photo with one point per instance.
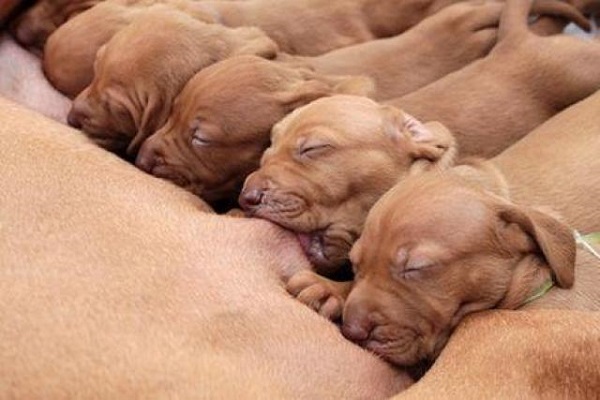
(221, 122)
(327, 205)
(440, 44)
(32, 28)
(313, 27)
(70, 51)
(516, 79)
(135, 84)
(328, 163)
(437, 248)
(440, 246)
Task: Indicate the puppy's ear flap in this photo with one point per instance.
(253, 41)
(154, 115)
(531, 231)
(352, 85)
(304, 92)
(308, 86)
(430, 145)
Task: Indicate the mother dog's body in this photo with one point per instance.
(114, 284)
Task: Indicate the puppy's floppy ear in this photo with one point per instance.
(531, 231)
(154, 114)
(306, 86)
(354, 85)
(254, 41)
(429, 145)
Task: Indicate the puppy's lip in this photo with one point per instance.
(166, 172)
(313, 247)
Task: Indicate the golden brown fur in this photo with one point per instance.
(330, 203)
(330, 161)
(438, 247)
(526, 75)
(231, 106)
(312, 27)
(33, 27)
(117, 285)
(71, 50)
(435, 249)
(517, 355)
(135, 84)
(445, 42)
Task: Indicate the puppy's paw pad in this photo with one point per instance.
(317, 292)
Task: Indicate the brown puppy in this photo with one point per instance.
(331, 216)
(435, 249)
(221, 122)
(71, 50)
(320, 179)
(526, 75)
(312, 27)
(468, 231)
(33, 27)
(135, 84)
(440, 44)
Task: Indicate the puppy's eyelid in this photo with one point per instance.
(198, 140)
(407, 266)
(313, 149)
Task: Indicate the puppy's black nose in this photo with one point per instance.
(251, 198)
(356, 332)
(74, 118)
(147, 157)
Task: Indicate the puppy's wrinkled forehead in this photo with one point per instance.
(354, 116)
(432, 210)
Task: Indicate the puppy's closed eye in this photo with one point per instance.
(407, 266)
(313, 149)
(199, 138)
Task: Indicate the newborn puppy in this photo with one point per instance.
(312, 27)
(142, 69)
(71, 50)
(525, 75)
(440, 44)
(33, 27)
(437, 248)
(221, 122)
(329, 162)
(466, 221)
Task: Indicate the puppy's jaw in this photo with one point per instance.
(401, 325)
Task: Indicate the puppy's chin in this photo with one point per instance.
(402, 353)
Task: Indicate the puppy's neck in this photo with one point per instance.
(228, 13)
(529, 280)
(391, 17)
(484, 175)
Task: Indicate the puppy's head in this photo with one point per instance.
(435, 249)
(330, 161)
(141, 70)
(33, 27)
(221, 123)
(71, 50)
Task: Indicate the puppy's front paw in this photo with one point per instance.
(321, 294)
